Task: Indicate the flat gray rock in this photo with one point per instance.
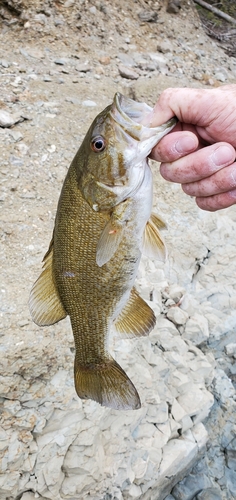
(209, 494)
(9, 119)
(127, 72)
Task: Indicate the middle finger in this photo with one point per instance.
(220, 182)
(200, 164)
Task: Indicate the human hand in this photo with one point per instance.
(200, 151)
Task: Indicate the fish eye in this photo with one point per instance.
(98, 144)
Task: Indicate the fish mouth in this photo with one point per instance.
(135, 119)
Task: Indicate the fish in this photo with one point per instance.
(103, 224)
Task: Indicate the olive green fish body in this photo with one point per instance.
(89, 293)
(103, 224)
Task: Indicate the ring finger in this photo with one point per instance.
(220, 182)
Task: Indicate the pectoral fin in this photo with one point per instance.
(153, 244)
(112, 233)
(108, 242)
(107, 384)
(44, 303)
(136, 318)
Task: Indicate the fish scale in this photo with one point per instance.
(102, 226)
(75, 292)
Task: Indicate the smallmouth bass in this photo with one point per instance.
(103, 224)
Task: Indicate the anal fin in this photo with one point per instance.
(136, 318)
(44, 303)
(107, 383)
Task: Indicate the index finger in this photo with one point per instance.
(175, 145)
(183, 103)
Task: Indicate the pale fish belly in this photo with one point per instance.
(142, 206)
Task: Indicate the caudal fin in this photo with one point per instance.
(107, 384)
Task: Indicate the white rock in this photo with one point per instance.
(180, 381)
(135, 491)
(223, 386)
(8, 484)
(186, 423)
(188, 435)
(161, 438)
(89, 104)
(196, 329)
(139, 467)
(8, 119)
(201, 370)
(157, 413)
(93, 10)
(29, 463)
(196, 401)
(230, 349)
(127, 72)
(175, 427)
(53, 475)
(176, 292)
(164, 428)
(177, 454)
(177, 411)
(28, 495)
(15, 453)
(189, 304)
(200, 435)
(176, 315)
(144, 430)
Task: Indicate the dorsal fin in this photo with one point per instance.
(153, 244)
(44, 303)
(136, 318)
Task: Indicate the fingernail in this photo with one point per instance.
(222, 156)
(186, 144)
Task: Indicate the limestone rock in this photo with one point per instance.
(164, 46)
(148, 16)
(8, 119)
(209, 494)
(176, 315)
(191, 486)
(196, 329)
(127, 72)
(198, 402)
(230, 349)
(223, 386)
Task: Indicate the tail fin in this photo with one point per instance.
(107, 384)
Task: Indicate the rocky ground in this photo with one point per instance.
(60, 64)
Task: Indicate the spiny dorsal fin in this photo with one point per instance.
(136, 318)
(108, 242)
(107, 384)
(44, 303)
(153, 244)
